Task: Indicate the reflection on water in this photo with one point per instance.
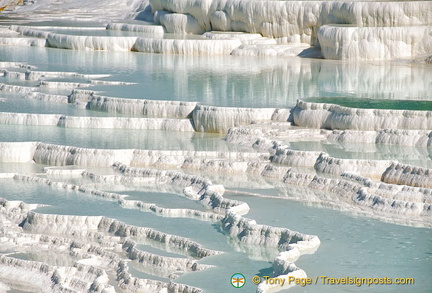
(351, 245)
(115, 138)
(234, 80)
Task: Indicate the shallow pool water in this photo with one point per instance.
(115, 138)
(65, 202)
(351, 245)
(234, 80)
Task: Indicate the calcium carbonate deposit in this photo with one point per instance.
(215, 146)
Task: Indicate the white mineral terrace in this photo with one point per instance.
(358, 30)
(156, 145)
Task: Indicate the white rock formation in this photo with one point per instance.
(250, 232)
(178, 23)
(257, 49)
(153, 108)
(96, 122)
(219, 120)
(27, 42)
(367, 168)
(192, 186)
(300, 22)
(81, 10)
(90, 42)
(16, 88)
(9, 64)
(62, 85)
(363, 31)
(57, 155)
(126, 123)
(185, 46)
(47, 97)
(84, 227)
(293, 272)
(13, 74)
(29, 119)
(26, 275)
(273, 133)
(148, 29)
(384, 201)
(374, 43)
(18, 152)
(210, 201)
(89, 272)
(286, 156)
(418, 138)
(408, 175)
(244, 37)
(331, 116)
(270, 136)
(40, 75)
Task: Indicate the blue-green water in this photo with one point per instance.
(233, 80)
(115, 138)
(66, 202)
(371, 103)
(350, 245)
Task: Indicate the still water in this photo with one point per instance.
(237, 81)
(350, 245)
